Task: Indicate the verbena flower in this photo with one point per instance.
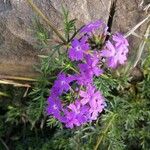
(61, 84)
(97, 104)
(84, 79)
(94, 99)
(78, 48)
(54, 107)
(91, 26)
(86, 95)
(120, 40)
(91, 66)
(89, 101)
(116, 53)
(76, 114)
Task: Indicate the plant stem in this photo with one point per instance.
(16, 78)
(37, 10)
(137, 26)
(141, 47)
(75, 34)
(9, 82)
(70, 67)
(4, 144)
(100, 139)
(76, 71)
(3, 94)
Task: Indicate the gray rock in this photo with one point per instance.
(17, 42)
(5, 5)
(17, 51)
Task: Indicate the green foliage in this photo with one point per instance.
(123, 125)
(41, 34)
(106, 83)
(69, 25)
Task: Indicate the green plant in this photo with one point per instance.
(124, 124)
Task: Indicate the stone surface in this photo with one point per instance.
(127, 15)
(17, 51)
(17, 42)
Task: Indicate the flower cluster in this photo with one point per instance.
(88, 102)
(116, 51)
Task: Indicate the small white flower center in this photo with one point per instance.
(78, 48)
(77, 111)
(55, 107)
(63, 82)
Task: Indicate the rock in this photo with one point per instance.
(5, 5)
(127, 15)
(17, 43)
(18, 53)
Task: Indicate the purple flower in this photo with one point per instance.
(97, 105)
(120, 40)
(76, 114)
(91, 26)
(87, 108)
(71, 78)
(94, 99)
(61, 84)
(89, 101)
(86, 95)
(115, 55)
(54, 107)
(78, 48)
(84, 79)
(90, 94)
(91, 66)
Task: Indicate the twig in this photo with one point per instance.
(4, 94)
(75, 34)
(141, 47)
(137, 26)
(146, 8)
(2, 141)
(14, 83)
(100, 139)
(17, 78)
(37, 10)
(25, 94)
